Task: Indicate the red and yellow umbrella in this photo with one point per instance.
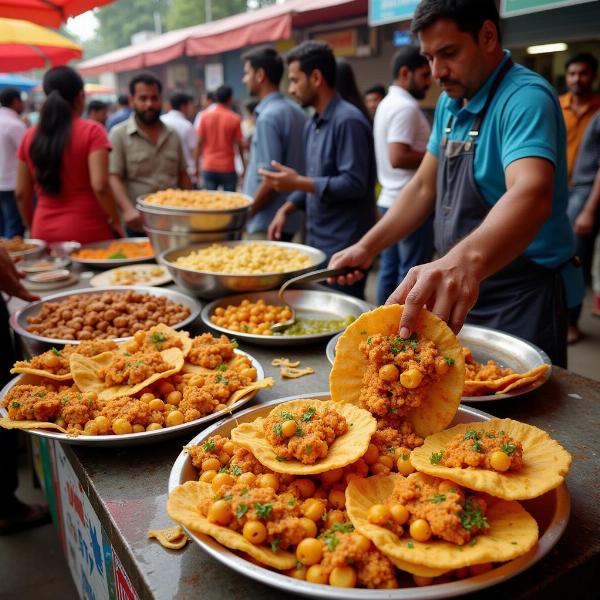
(25, 45)
(50, 13)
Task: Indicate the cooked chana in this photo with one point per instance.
(197, 199)
(250, 317)
(253, 258)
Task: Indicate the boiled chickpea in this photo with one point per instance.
(320, 494)
(379, 469)
(333, 517)
(387, 460)
(224, 458)
(500, 461)
(309, 526)
(60, 422)
(165, 388)
(121, 426)
(175, 417)
(379, 514)
(441, 366)
(351, 477)
(51, 360)
(147, 397)
(343, 577)
(229, 447)
(154, 427)
(306, 487)
(447, 486)
(337, 499)
(309, 551)
(411, 378)
(404, 465)
(255, 532)
(317, 574)
(220, 480)
(298, 572)
(422, 581)
(211, 464)
(103, 424)
(371, 455)
(286, 478)
(288, 428)
(138, 428)
(208, 475)
(331, 477)
(156, 404)
(268, 480)
(420, 530)
(250, 373)
(247, 478)
(399, 513)
(389, 373)
(313, 509)
(362, 542)
(91, 428)
(220, 513)
(174, 397)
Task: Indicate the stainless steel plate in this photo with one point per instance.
(36, 344)
(39, 265)
(30, 253)
(309, 304)
(109, 263)
(145, 437)
(550, 510)
(207, 284)
(491, 344)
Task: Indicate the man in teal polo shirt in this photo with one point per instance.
(495, 174)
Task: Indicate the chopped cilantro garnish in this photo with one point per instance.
(15, 404)
(489, 434)
(242, 509)
(391, 450)
(158, 338)
(277, 429)
(220, 379)
(449, 361)
(308, 449)
(275, 544)
(55, 351)
(116, 255)
(436, 457)
(410, 544)
(308, 415)
(228, 497)
(236, 470)
(405, 456)
(244, 492)
(470, 435)
(234, 343)
(369, 339)
(262, 510)
(287, 416)
(393, 410)
(223, 470)
(299, 431)
(64, 400)
(221, 368)
(280, 458)
(324, 516)
(472, 516)
(245, 327)
(476, 445)
(473, 542)
(397, 343)
(40, 394)
(209, 446)
(292, 502)
(343, 527)
(331, 540)
(502, 432)
(438, 498)
(508, 448)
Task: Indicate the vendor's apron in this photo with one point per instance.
(524, 298)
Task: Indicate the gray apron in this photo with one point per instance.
(523, 298)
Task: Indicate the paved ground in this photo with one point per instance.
(32, 563)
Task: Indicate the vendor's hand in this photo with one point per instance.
(584, 224)
(276, 225)
(10, 279)
(448, 287)
(133, 218)
(119, 230)
(283, 179)
(353, 256)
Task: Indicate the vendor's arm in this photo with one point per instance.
(10, 279)
(24, 193)
(98, 167)
(584, 224)
(408, 212)
(276, 226)
(449, 286)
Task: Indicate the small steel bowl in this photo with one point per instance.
(36, 344)
(64, 249)
(30, 253)
(207, 284)
(167, 240)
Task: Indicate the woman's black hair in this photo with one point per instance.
(347, 87)
(62, 86)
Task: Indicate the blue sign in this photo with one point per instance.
(389, 11)
(402, 38)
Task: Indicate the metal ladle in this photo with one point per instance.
(319, 275)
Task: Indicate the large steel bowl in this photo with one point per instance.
(167, 240)
(206, 284)
(36, 344)
(180, 220)
(30, 253)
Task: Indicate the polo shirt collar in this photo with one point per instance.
(267, 100)
(477, 102)
(329, 110)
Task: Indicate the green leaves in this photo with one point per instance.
(263, 510)
(508, 448)
(241, 510)
(472, 516)
(209, 445)
(436, 457)
(308, 414)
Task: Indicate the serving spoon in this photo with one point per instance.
(318, 275)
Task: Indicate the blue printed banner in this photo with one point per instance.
(388, 11)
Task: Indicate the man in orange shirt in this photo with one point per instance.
(580, 103)
(219, 134)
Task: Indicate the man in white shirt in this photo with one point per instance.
(401, 133)
(179, 119)
(12, 130)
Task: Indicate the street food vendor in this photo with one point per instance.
(495, 175)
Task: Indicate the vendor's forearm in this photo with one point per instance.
(264, 193)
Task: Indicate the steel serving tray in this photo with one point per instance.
(36, 344)
(309, 304)
(490, 344)
(208, 284)
(550, 510)
(109, 263)
(145, 437)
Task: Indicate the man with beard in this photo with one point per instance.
(337, 191)
(279, 126)
(146, 155)
(495, 173)
(401, 133)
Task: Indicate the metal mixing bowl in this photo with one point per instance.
(206, 284)
(36, 344)
(162, 240)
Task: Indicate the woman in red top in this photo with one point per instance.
(65, 160)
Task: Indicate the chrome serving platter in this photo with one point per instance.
(207, 284)
(490, 344)
(550, 510)
(38, 251)
(308, 304)
(109, 263)
(145, 437)
(36, 344)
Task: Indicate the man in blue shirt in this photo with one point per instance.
(279, 126)
(495, 173)
(120, 115)
(337, 191)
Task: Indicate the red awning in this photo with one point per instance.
(268, 24)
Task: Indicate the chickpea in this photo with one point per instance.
(387, 460)
(337, 499)
(121, 426)
(309, 526)
(420, 530)
(208, 476)
(211, 464)
(175, 417)
(399, 513)
(220, 480)
(154, 427)
(441, 366)
(500, 461)
(306, 487)
(351, 477)
(333, 517)
(165, 388)
(317, 574)
(255, 532)
(249, 372)
(138, 428)
(147, 397)
(411, 378)
(363, 542)
(403, 463)
(268, 480)
(371, 455)
(91, 428)
(288, 428)
(379, 514)
(247, 479)
(343, 577)
(331, 477)
(313, 509)
(447, 487)
(298, 572)
(220, 407)
(103, 424)
(309, 551)
(224, 458)
(156, 404)
(379, 469)
(51, 360)
(389, 372)
(422, 581)
(220, 513)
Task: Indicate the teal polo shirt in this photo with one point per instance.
(524, 119)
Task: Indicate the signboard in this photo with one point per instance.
(213, 76)
(389, 11)
(513, 8)
(343, 43)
